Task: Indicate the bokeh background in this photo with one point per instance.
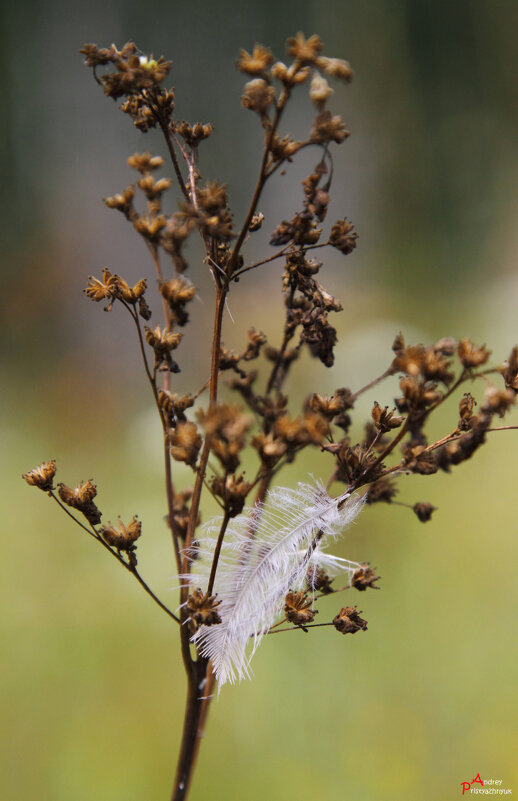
(92, 688)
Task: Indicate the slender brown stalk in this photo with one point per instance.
(355, 395)
(217, 551)
(192, 732)
(130, 568)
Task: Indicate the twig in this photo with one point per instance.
(96, 536)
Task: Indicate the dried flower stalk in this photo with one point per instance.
(264, 562)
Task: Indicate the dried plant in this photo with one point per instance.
(264, 562)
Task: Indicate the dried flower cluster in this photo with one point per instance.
(264, 562)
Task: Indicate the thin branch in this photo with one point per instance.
(164, 125)
(217, 551)
(134, 572)
(355, 395)
(259, 186)
(150, 376)
(297, 628)
(278, 255)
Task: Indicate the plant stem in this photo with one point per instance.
(217, 552)
(199, 672)
(192, 731)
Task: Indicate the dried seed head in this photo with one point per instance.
(348, 621)
(317, 580)
(133, 73)
(509, 370)
(466, 405)
(194, 134)
(185, 443)
(336, 67)
(255, 64)
(102, 290)
(42, 475)
(284, 147)
(258, 96)
(328, 128)
(447, 346)
(328, 405)
(162, 341)
(122, 537)
(319, 91)
(256, 222)
(418, 460)
(471, 355)
(81, 498)
(296, 607)
(343, 236)
(424, 511)
(290, 76)
(227, 427)
(304, 50)
(181, 510)
(269, 447)
(178, 293)
(383, 419)
(130, 294)
(233, 491)
(202, 608)
(382, 490)
(122, 201)
(363, 577)
(150, 227)
(145, 162)
(498, 401)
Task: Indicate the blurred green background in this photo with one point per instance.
(92, 687)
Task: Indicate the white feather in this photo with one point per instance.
(254, 574)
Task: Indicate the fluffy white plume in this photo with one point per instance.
(255, 573)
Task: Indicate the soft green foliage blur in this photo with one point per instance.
(92, 686)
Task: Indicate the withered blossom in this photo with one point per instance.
(424, 511)
(348, 621)
(202, 608)
(385, 420)
(145, 162)
(297, 608)
(304, 50)
(257, 63)
(343, 236)
(384, 489)
(328, 127)
(193, 134)
(317, 580)
(185, 443)
(82, 499)
(364, 577)
(319, 91)
(471, 355)
(42, 476)
(122, 537)
(509, 370)
(233, 490)
(290, 76)
(258, 96)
